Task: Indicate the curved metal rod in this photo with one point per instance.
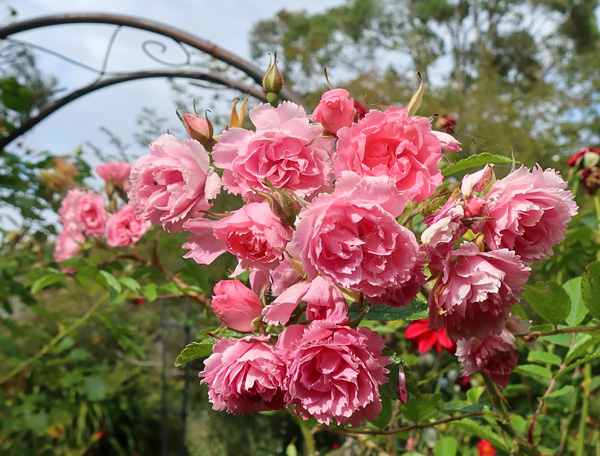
(109, 81)
(142, 24)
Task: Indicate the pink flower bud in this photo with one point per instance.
(118, 172)
(198, 128)
(335, 111)
(236, 305)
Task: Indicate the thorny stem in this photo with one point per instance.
(587, 379)
(536, 334)
(344, 431)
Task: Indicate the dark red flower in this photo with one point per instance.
(577, 157)
(361, 111)
(425, 338)
(464, 383)
(485, 448)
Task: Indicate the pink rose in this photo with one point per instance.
(403, 294)
(334, 372)
(443, 231)
(324, 301)
(335, 110)
(351, 239)
(124, 228)
(285, 149)
(173, 183)
(476, 291)
(495, 356)
(391, 143)
(529, 212)
(83, 212)
(253, 233)
(68, 243)
(118, 172)
(245, 375)
(236, 305)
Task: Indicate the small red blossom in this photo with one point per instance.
(485, 448)
(425, 338)
(361, 111)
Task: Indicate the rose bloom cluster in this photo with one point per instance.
(83, 213)
(320, 230)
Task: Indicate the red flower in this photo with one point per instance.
(485, 448)
(425, 338)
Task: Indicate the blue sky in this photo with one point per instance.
(226, 23)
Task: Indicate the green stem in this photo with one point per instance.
(587, 379)
(55, 340)
(309, 439)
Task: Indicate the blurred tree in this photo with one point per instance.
(521, 74)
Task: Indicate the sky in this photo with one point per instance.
(226, 23)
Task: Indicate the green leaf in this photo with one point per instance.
(579, 362)
(474, 428)
(193, 351)
(581, 345)
(561, 392)
(130, 283)
(95, 388)
(533, 370)
(150, 292)
(550, 300)
(544, 358)
(418, 407)
(590, 288)
(385, 416)
(475, 393)
(474, 161)
(416, 310)
(47, 280)
(113, 285)
(445, 447)
(37, 423)
(578, 309)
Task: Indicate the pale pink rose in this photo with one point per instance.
(529, 212)
(335, 110)
(124, 228)
(236, 305)
(83, 212)
(334, 372)
(253, 233)
(477, 181)
(494, 356)
(283, 276)
(286, 149)
(245, 375)
(447, 142)
(324, 301)
(391, 143)
(174, 183)
(443, 231)
(476, 291)
(351, 239)
(68, 243)
(118, 172)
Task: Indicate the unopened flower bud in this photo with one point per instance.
(198, 128)
(273, 80)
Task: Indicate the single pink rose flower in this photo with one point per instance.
(351, 239)
(334, 372)
(124, 228)
(83, 212)
(335, 110)
(245, 375)
(476, 291)
(529, 212)
(391, 143)
(286, 149)
(118, 172)
(68, 243)
(495, 356)
(253, 233)
(174, 183)
(236, 305)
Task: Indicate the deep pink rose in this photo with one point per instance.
(253, 233)
(529, 212)
(118, 172)
(245, 375)
(285, 149)
(334, 372)
(236, 305)
(391, 143)
(324, 301)
(494, 356)
(351, 238)
(335, 110)
(476, 291)
(403, 294)
(83, 212)
(124, 228)
(173, 183)
(68, 244)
